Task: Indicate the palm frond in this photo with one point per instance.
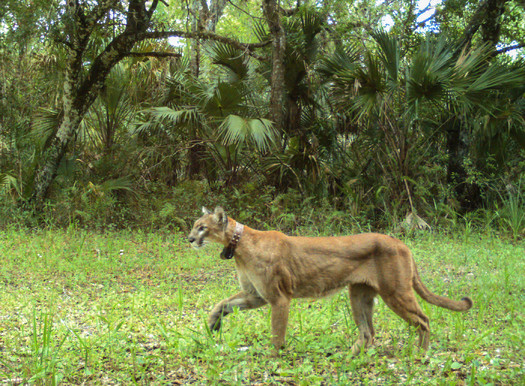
(144, 128)
(497, 77)
(166, 114)
(10, 183)
(121, 183)
(342, 59)
(45, 124)
(389, 53)
(238, 130)
(474, 78)
(233, 60)
(430, 72)
(366, 86)
(166, 120)
(222, 100)
(259, 29)
(111, 113)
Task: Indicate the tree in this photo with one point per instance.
(493, 22)
(273, 17)
(83, 27)
(60, 65)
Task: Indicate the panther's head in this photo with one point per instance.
(210, 227)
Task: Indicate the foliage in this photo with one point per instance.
(512, 211)
(401, 104)
(376, 125)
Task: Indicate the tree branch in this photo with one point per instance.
(510, 48)
(154, 54)
(486, 17)
(205, 35)
(152, 9)
(101, 9)
(243, 11)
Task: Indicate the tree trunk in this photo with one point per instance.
(491, 27)
(81, 91)
(273, 18)
(467, 193)
(487, 17)
(54, 153)
(203, 19)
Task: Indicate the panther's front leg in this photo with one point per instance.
(242, 300)
(280, 310)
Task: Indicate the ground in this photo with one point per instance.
(130, 307)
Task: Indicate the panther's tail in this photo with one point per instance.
(441, 301)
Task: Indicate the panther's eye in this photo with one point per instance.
(201, 228)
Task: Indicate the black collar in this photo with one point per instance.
(228, 252)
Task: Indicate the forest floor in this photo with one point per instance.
(78, 307)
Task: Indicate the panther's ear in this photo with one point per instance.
(205, 210)
(220, 216)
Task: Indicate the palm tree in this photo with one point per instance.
(212, 122)
(406, 105)
(110, 114)
(307, 137)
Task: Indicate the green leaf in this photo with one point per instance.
(233, 60)
(455, 365)
(389, 53)
(238, 130)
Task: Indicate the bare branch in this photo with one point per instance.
(422, 11)
(510, 48)
(152, 9)
(243, 11)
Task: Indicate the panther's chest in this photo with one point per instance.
(253, 280)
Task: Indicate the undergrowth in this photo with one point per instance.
(117, 207)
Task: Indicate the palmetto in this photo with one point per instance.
(407, 106)
(220, 117)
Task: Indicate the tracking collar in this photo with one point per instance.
(228, 252)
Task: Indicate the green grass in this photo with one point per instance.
(130, 308)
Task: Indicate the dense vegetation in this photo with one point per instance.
(120, 119)
(135, 113)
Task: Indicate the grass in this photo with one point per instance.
(130, 308)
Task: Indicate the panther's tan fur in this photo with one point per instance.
(274, 268)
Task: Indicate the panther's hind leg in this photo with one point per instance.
(405, 305)
(362, 301)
